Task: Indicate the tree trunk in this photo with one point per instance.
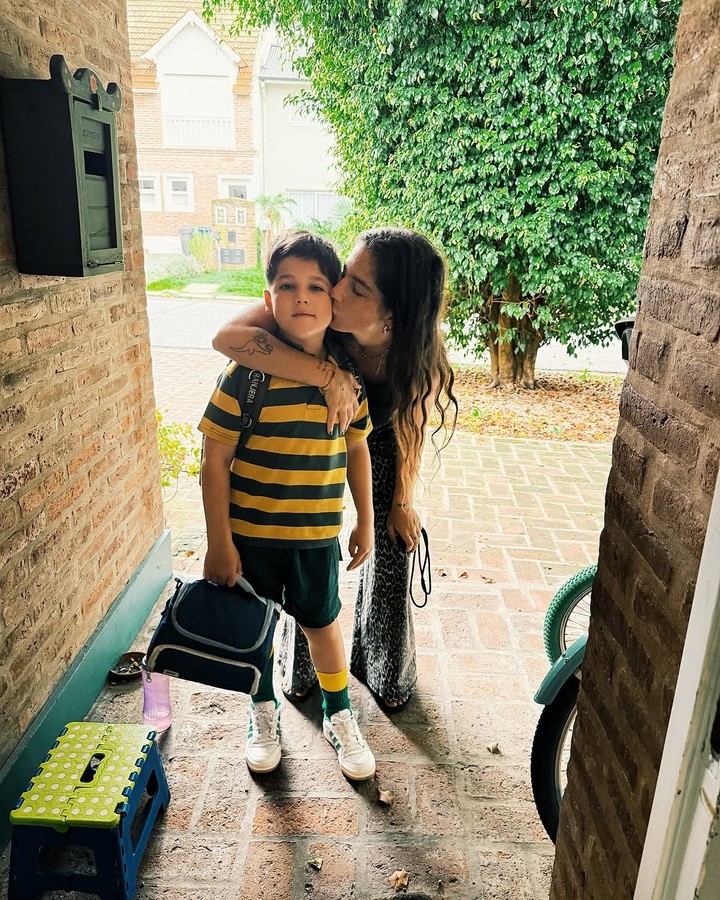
(533, 340)
(492, 345)
(512, 359)
(507, 354)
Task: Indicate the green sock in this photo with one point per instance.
(335, 693)
(265, 689)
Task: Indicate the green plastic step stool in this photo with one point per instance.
(86, 794)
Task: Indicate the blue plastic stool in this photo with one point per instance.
(86, 794)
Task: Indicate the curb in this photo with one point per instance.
(183, 295)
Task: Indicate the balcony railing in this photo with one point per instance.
(192, 131)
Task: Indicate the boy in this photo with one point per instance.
(274, 510)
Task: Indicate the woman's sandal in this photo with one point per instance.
(389, 707)
(392, 706)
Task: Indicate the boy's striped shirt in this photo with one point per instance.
(288, 481)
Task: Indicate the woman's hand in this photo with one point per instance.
(222, 566)
(362, 540)
(404, 523)
(341, 398)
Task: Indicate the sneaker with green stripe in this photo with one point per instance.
(355, 757)
(262, 751)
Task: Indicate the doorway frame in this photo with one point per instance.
(683, 822)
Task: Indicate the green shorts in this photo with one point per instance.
(305, 581)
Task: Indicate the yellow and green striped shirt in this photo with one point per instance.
(287, 482)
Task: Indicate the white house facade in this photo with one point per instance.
(295, 149)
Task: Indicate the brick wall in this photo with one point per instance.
(665, 464)
(80, 502)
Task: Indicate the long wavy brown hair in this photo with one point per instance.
(410, 275)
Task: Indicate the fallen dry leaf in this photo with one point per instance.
(399, 879)
(315, 863)
(387, 798)
(494, 748)
(442, 573)
(463, 575)
(189, 553)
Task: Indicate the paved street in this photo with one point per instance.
(191, 320)
(509, 521)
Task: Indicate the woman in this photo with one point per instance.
(386, 309)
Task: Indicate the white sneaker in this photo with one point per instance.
(355, 757)
(262, 751)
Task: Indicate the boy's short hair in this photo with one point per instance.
(304, 245)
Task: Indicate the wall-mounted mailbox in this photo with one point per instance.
(62, 167)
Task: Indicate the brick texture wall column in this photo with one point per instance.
(664, 469)
(80, 501)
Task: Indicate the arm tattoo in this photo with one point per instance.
(257, 344)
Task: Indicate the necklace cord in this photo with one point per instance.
(379, 357)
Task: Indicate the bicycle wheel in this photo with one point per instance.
(568, 615)
(550, 754)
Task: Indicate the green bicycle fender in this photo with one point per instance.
(562, 669)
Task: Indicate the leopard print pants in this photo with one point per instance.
(383, 640)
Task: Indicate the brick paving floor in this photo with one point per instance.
(509, 521)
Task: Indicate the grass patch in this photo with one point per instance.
(167, 284)
(248, 282)
(244, 282)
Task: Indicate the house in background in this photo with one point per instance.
(212, 124)
(192, 89)
(294, 147)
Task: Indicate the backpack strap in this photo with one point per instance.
(253, 386)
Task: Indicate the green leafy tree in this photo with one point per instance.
(520, 134)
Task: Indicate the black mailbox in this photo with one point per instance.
(60, 142)
(624, 330)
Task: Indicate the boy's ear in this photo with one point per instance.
(268, 302)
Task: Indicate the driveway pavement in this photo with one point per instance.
(509, 521)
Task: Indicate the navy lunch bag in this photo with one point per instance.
(215, 635)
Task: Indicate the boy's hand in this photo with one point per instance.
(222, 566)
(341, 399)
(360, 545)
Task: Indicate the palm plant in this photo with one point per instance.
(273, 207)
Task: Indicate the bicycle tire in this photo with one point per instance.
(546, 754)
(558, 634)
